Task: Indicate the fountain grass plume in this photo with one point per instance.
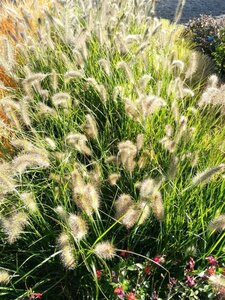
(104, 250)
(206, 175)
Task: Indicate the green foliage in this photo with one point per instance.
(219, 54)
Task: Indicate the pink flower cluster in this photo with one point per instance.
(122, 295)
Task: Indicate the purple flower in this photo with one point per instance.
(172, 281)
(190, 281)
(154, 296)
(212, 260)
(190, 265)
(119, 292)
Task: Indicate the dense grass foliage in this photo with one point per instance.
(116, 161)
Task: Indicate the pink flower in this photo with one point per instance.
(212, 260)
(190, 265)
(118, 291)
(131, 296)
(154, 296)
(98, 274)
(147, 270)
(159, 259)
(190, 281)
(35, 296)
(172, 281)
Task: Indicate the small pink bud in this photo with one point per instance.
(212, 260)
(190, 281)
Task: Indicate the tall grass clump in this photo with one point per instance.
(113, 157)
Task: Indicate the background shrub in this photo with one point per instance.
(219, 54)
(205, 33)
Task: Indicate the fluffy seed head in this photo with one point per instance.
(30, 160)
(218, 223)
(145, 157)
(22, 144)
(4, 277)
(157, 205)
(105, 250)
(111, 159)
(131, 109)
(147, 187)
(207, 174)
(24, 106)
(217, 281)
(61, 100)
(61, 212)
(45, 110)
(168, 144)
(193, 64)
(125, 67)
(90, 127)
(129, 146)
(127, 154)
(102, 93)
(100, 89)
(79, 142)
(68, 258)
(78, 226)
(93, 196)
(77, 179)
(86, 196)
(187, 92)
(213, 80)
(63, 239)
(82, 200)
(74, 75)
(13, 226)
(51, 143)
(105, 64)
(140, 141)
(54, 80)
(144, 81)
(117, 91)
(131, 216)
(148, 105)
(169, 130)
(38, 77)
(7, 183)
(144, 212)
(67, 254)
(122, 204)
(113, 178)
(29, 201)
(178, 65)
(95, 175)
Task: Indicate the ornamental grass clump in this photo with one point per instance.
(105, 128)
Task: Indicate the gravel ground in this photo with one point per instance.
(193, 8)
